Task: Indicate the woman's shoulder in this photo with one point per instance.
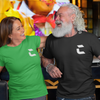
(3, 49)
(28, 37)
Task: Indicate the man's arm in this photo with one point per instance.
(99, 57)
(51, 68)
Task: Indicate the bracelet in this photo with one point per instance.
(48, 66)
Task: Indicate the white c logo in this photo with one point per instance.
(30, 52)
(78, 49)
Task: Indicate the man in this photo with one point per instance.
(73, 50)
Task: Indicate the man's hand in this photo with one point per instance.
(53, 71)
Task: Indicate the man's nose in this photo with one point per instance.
(57, 18)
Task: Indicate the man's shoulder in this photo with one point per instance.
(88, 34)
(50, 37)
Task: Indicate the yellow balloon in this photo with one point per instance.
(4, 6)
(12, 12)
(27, 22)
(6, 10)
(28, 26)
(12, 2)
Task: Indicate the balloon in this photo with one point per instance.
(4, 6)
(42, 7)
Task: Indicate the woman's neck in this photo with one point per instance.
(13, 44)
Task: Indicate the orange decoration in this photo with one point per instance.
(43, 19)
(41, 7)
(4, 6)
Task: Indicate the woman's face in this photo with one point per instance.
(17, 32)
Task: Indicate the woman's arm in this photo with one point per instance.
(1, 68)
(43, 40)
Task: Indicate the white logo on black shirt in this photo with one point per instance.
(78, 49)
(30, 52)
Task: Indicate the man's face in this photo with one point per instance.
(63, 23)
(65, 28)
(42, 7)
(63, 16)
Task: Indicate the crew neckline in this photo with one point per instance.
(78, 33)
(14, 46)
(74, 35)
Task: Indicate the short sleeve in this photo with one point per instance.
(35, 40)
(95, 44)
(47, 52)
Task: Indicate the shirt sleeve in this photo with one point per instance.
(34, 40)
(95, 44)
(37, 41)
(47, 52)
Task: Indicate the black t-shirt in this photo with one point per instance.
(74, 57)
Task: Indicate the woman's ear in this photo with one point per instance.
(10, 36)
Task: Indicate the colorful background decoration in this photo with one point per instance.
(37, 16)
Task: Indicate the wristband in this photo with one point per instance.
(48, 66)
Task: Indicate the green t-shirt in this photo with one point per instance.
(23, 64)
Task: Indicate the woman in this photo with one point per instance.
(19, 55)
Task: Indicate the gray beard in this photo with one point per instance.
(62, 31)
